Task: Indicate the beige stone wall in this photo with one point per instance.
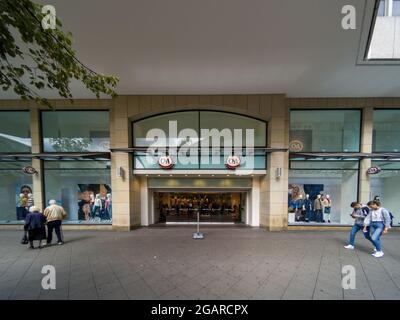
(273, 207)
(252, 105)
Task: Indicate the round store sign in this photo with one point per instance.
(165, 162)
(296, 145)
(29, 170)
(374, 170)
(232, 162)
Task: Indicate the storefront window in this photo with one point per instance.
(321, 191)
(14, 131)
(16, 191)
(386, 136)
(83, 188)
(385, 186)
(325, 130)
(75, 131)
(200, 140)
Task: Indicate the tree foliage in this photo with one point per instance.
(47, 59)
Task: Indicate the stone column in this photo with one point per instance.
(126, 214)
(274, 190)
(364, 190)
(37, 179)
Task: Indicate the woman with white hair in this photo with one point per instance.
(35, 225)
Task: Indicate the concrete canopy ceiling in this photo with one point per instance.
(295, 47)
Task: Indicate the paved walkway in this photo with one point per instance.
(230, 263)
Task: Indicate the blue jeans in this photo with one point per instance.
(354, 231)
(376, 229)
(318, 215)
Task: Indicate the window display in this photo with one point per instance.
(83, 188)
(321, 191)
(16, 191)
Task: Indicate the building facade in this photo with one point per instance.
(310, 159)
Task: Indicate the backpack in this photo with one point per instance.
(391, 218)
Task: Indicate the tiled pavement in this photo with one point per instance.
(230, 263)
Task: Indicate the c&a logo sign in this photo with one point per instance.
(165, 162)
(232, 162)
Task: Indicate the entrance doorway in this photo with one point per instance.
(213, 207)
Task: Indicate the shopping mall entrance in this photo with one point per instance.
(212, 207)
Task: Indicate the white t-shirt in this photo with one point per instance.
(377, 215)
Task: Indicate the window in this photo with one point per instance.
(83, 188)
(396, 8)
(381, 8)
(385, 185)
(14, 132)
(336, 182)
(325, 130)
(386, 137)
(194, 133)
(16, 191)
(382, 34)
(75, 131)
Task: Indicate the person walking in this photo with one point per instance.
(359, 213)
(35, 226)
(54, 215)
(378, 220)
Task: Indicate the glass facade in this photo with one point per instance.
(321, 191)
(325, 130)
(386, 134)
(83, 188)
(16, 191)
(199, 138)
(15, 132)
(385, 184)
(75, 131)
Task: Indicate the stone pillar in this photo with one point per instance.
(274, 190)
(37, 179)
(364, 190)
(126, 215)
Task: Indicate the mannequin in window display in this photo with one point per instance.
(308, 208)
(109, 206)
(23, 199)
(298, 206)
(318, 208)
(91, 203)
(86, 211)
(31, 201)
(103, 214)
(97, 206)
(327, 202)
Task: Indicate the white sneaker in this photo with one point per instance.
(375, 250)
(378, 254)
(349, 246)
